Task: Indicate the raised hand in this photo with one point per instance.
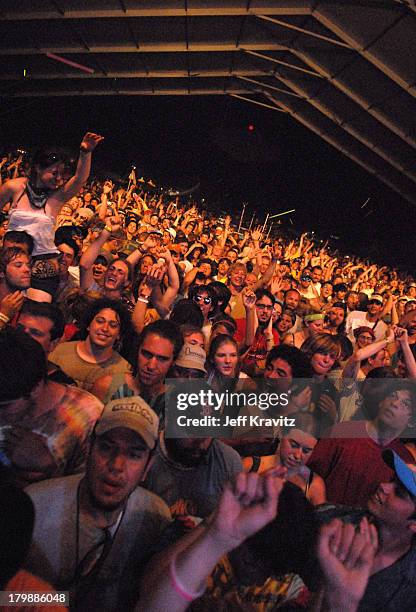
(256, 234)
(113, 221)
(107, 187)
(249, 298)
(90, 141)
(346, 557)
(11, 304)
(246, 507)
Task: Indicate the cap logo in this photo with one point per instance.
(133, 407)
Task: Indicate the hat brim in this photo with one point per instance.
(406, 476)
(136, 424)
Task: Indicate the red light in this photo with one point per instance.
(250, 127)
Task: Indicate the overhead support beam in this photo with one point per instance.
(277, 61)
(274, 108)
(183, 91)
(151, 47)
(365, 52)
(290, 26)
(336, 81)
(211, 9)
(267, 86)
(335, 143)
(387, 155)
(137, 74)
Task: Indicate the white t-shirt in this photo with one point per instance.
(358, 318)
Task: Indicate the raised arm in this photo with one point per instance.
(178, 575)
(72, 187)
(91, 254)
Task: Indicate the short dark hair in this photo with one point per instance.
(8, 254)
(69, 242)
(20, 237)
(261, 293)
(48, 311)
(298, 361)
(22, 364)
(186, 311)
(98, 305)
(222, 292)
(167, 330)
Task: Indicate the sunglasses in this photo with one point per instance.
(198, 299)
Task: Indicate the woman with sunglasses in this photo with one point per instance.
(36, 202)
(205, 297)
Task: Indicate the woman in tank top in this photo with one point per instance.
(35, 204)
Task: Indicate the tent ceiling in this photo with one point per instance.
(345, 69)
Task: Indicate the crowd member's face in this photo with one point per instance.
(340, 295)
(292, 299)
(409, 307)
(353, 300)
(265, 263)
(284, 324)
(223, 267)
(392, 505)
(132, 227)
(372, 282)
(251, 280)
(279, 370)
(104, 329)
(322, 363)
(232, 256)
(411, 325)
(98, 269)
(204, 301)
(364, 339)
(18, 272)
(67, 258)
(305, 282)
(183, 247)
(264, 308)
(3, 227)
(316, 327)
(380, 359)
(51, 177)
(39, 328)
(296, 448)
(277, 311)
(226, 359)
(316, 275)
(217, 250)
(154, 359)
(204, 237)
(205, 268)
(374, 308)
(336, 316)
(238, 277)
(412, 292)
(395, 410)
(146, 263)
(116, 465)
(154, 220)
(116, 277)
(326, 290)
(189, 451)
(196, 339)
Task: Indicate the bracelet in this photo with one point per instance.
(4, 318)
(84, 150)
(178, 587)
(143, 299)
(108, 228)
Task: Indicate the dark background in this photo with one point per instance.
(180, 141)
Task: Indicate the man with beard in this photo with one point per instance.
(15, 271)
(265, 336)
(93, 531)
(189, 474)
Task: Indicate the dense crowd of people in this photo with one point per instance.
(110, 292)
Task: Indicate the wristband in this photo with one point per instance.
(178, 587)
(84, 150)
(4, 318)
(145, 300)
(108, 228)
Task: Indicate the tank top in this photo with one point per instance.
(39, 225)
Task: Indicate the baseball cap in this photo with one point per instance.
(192, 356)
(133, 413)
(403, 471)
(375, 298)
